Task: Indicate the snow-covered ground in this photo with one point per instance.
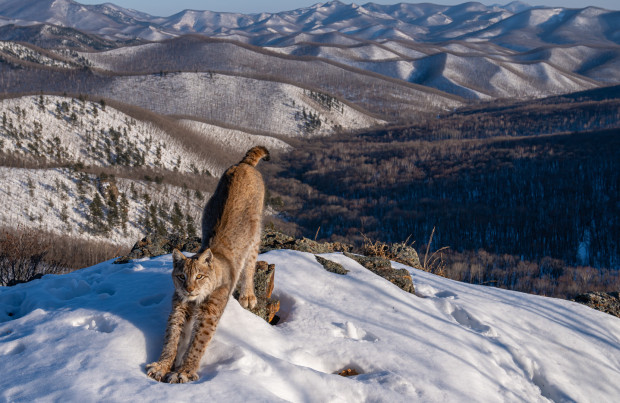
(21, 52)
(72, 130)
(88, 335)
(57, 200)
(234, 140)
(248, 103)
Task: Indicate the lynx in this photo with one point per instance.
(231, 227)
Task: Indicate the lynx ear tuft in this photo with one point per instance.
(177, 256)
(205, 257)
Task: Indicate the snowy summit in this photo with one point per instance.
(88, 335)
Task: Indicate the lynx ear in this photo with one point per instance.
(177, 256)
(205, 257)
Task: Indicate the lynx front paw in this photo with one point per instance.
(248, 301)
(181, 377)
(157, 371)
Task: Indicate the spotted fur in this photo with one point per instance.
(231, 227)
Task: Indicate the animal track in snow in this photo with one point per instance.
(532, 370)
(152, 300)
(98, 323)
(426, 291)
(464, 318)
(14, 349)
(446, 294)
(68, 288)
(350, 331)
(5, 332)
(105, 290)
(11, 306)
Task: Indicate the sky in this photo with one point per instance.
(166, 8)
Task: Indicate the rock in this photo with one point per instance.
(404, 254)
(156, 245)
(330, 266)
(264, 277)
(382, 267)
(608, 302)
(273, 239)
(348, 372)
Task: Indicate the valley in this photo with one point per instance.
(494, 125)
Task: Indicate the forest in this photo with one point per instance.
(531, 200)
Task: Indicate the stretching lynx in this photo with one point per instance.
(231, 226)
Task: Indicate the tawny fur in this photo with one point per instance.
(231, 228)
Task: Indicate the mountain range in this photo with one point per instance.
(470, 50)
(345, 22)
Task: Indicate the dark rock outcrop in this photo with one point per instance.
(383, 267)
(272, 239)
(330, 266)
(157, 245)
(608, 302)
(404, 254)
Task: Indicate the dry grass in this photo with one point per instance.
(434, 263)
(27, 254)
(376, 248)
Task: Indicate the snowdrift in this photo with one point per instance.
(88, 335)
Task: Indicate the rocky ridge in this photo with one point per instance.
(155, 245)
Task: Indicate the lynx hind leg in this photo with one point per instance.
(247, 298)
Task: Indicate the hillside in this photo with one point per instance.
(533, 180)
(88, 170)
(448, 342)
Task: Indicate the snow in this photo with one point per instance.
(27, 54)
(234, 140)
(32, 129)
(274, 107)
(88, 335)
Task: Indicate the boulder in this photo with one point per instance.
(156, 245)
(608, 302)
(331, 266)
(404, 254)
(273, 239)
(383, 267)
(264, 277)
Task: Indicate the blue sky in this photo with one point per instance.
(166, 7)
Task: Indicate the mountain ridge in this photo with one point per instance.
(522, 51)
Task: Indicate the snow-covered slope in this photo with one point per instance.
(72, 130)
(58, 201)
(232, 139)
(88, 335)
(248, 103)
(47, 134)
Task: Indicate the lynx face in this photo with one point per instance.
(194, 278)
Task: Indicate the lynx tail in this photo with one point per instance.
(255, 154)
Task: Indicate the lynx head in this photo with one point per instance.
(194, 277)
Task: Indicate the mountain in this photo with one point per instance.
(449, 341)
(420, 22)
(471, 50)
